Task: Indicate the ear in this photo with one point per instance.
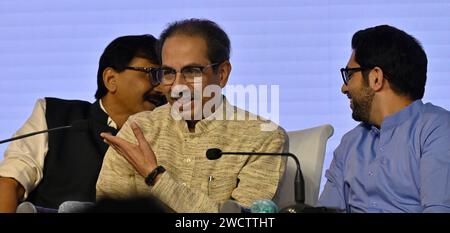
(110, 79)
(224, 72)
(376, 79)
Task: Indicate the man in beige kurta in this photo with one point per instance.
(173, 136)
(192, 183)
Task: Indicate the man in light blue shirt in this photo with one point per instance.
(398, 158)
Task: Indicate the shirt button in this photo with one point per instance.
(184, 184)
(381, 148)
(370, 173)
(188, 160)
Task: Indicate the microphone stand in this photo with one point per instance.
(34, 133)
(77, 125)
(298, 182)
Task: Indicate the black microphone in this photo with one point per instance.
(299, 183)
(78, 125)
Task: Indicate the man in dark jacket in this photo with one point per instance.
(48, 169)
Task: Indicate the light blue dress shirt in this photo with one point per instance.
(402, 167)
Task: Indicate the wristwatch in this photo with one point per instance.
(150, 179)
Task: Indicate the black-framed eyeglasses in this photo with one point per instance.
(167, 76)
(152, 72)
(348, 72)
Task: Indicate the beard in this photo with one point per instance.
(362, 105)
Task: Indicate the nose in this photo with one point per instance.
(179, 79)
(344, 89)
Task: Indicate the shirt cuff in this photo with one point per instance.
(19, 171)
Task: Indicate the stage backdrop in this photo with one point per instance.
(51, 48)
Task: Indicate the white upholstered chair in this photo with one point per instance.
(309, 145)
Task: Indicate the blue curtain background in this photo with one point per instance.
(51, 48)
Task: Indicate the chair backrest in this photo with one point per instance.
(309, 145)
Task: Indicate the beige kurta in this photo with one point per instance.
(192, 183)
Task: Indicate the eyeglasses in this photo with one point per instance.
(348, 72)
(167, 76)
(152, 72)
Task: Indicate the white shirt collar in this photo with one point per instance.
(110, 121)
